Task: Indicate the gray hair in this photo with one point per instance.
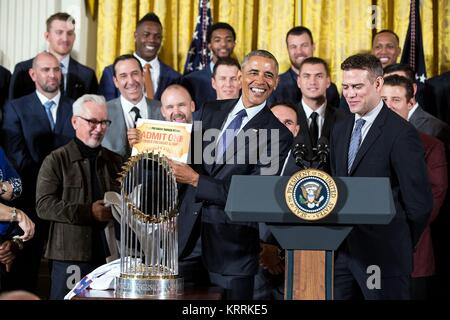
(78, 106)
(260, 53)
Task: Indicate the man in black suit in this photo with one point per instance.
(221, 40)
(300, 45)
(246, 132)
(76, 80)
(437, 96)
(33, 126)
(5, 77)
(316, 115)
(157, 75)
(375, 142)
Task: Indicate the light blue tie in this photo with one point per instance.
(48, 109)
(355, 142)
(230, 132)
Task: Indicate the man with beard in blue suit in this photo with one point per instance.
(300, 45)
(230, 249)
(33, 126)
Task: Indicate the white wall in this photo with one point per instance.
(22, 27)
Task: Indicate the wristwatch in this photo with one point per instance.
(3, 188)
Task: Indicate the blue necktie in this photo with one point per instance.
(48, 109)
(230, 132)
(355, 142)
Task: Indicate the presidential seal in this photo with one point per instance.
(311, 194)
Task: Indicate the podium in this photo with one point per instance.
(309, 245)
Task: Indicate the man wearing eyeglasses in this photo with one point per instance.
(33, 126)
(71, 185)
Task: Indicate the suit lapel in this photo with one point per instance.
(328, 122)
(371, 137)
(162, 79)
(62, 115)
(37, 112)
(258, 121)
(122, 125)
(215, 118)
(73, 69)
(304, 128)
(342, 146)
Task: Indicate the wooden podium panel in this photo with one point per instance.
(309, 275)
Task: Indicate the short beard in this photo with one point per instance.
(49, 89)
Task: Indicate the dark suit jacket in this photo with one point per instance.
(437, 96)
(106, 88)
(288, 91)
(424, 265)
(5, 77)
(27, 138)
(188, 220)
(199, 86)
(232, 248)
(392, 148)
(80, 80)
(332, 115)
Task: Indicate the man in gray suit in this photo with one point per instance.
(418, 117)
(130, 106)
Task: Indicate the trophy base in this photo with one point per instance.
(149, 287)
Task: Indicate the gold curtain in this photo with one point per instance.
(344, 27)
(340, 27)
(117, 21)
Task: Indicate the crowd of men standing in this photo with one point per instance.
(65, 137)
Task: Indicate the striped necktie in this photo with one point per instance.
(355, 142)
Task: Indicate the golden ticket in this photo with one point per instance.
(171, 139)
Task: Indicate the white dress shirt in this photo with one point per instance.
(43, 99)
(370, 118)
(321, 115)
(130, 116)
(251, 112)
(410, 113)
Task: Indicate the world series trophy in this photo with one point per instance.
(149, 238)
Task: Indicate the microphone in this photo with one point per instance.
(323, 150)
(300, 152)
